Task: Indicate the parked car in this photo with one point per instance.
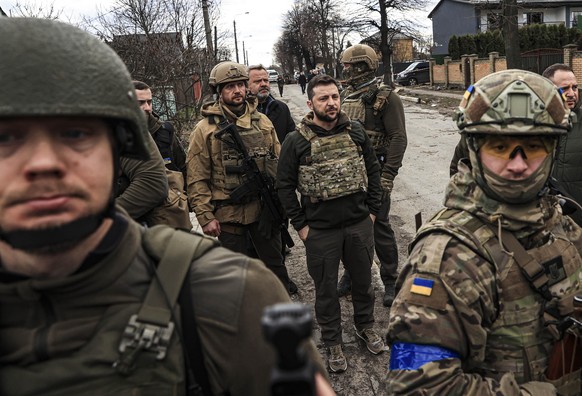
(273, 75)
(416, 73)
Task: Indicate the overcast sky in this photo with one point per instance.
(259, 29)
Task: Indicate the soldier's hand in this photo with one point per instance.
(212, 228)
(535, 388)
(303, 233)
(387, 185)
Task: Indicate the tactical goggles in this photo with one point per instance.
(507, 147)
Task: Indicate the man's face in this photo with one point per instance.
(325, 102)
(513, 158)
(567, 81)
(259, 84)
(234, 94)
(144, 98)
(53, 171)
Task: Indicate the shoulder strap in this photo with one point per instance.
(531, 268)
(151, 328)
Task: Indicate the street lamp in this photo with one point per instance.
(235, 41)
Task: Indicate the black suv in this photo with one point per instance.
(416, 73)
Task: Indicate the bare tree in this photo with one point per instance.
(378, 14)
(163, 43)
(34, 10)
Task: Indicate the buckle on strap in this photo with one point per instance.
(146, 336)
(139, 336)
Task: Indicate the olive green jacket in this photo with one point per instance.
(61, 336)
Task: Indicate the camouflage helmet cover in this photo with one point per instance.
(513, 102)
(49, 68)
(361, 53)
(227, 72)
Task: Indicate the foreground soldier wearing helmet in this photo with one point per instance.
(490, 276)
(211, 180)
(81, 311)
(380, 111)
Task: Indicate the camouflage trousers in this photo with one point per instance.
(354, 246)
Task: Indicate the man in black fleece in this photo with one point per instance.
(331, 162)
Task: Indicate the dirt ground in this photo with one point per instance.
(431, 135)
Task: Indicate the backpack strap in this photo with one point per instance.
(152, 327)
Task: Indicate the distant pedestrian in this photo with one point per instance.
(280, 84)
(302, 82)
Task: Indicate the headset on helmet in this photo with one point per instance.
(50, 68)
(227, 72)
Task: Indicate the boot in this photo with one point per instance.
(389, 293)
(344, 286)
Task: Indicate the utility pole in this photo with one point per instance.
(511, 34)
(244, 55)
(235, 41)
(207, 28)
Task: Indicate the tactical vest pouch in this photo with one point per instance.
(337, 167)
(174, 212)
(378, 139)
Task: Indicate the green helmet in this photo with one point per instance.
(363, 60)
(513, 102)
(49, 68)
(227, 72)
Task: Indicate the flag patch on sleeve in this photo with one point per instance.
(422, 286)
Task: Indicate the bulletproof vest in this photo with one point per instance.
(518, 340)
(364, 105)
(259, 148)
(335, 168)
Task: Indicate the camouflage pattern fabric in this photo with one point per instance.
(480, 305)
(336, 169)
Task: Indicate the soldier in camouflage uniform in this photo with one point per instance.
(488, 277)
(331, 162)
(380, 111)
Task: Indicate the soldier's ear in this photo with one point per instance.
(310, 105)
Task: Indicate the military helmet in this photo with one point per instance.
(50, 68)
(513, 102)
(227, 72)
(361, 53)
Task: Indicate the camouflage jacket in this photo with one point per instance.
(480, 306)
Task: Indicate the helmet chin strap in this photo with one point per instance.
(60, 237)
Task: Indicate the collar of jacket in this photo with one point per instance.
(342, 123)
(154, 123)
(244, 120)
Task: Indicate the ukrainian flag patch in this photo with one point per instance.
(469, 92)
(422, 286)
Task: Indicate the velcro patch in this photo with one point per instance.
(436, 300)
(422, 286)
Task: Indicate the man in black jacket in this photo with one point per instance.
(331, 162)
(276, 110)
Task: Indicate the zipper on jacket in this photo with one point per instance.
(41, 336)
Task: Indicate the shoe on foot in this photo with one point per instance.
(373, 341)
(337, 361)
(344, 286)
(292, 287)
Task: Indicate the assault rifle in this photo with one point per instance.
(285, 326)
(257, 181)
